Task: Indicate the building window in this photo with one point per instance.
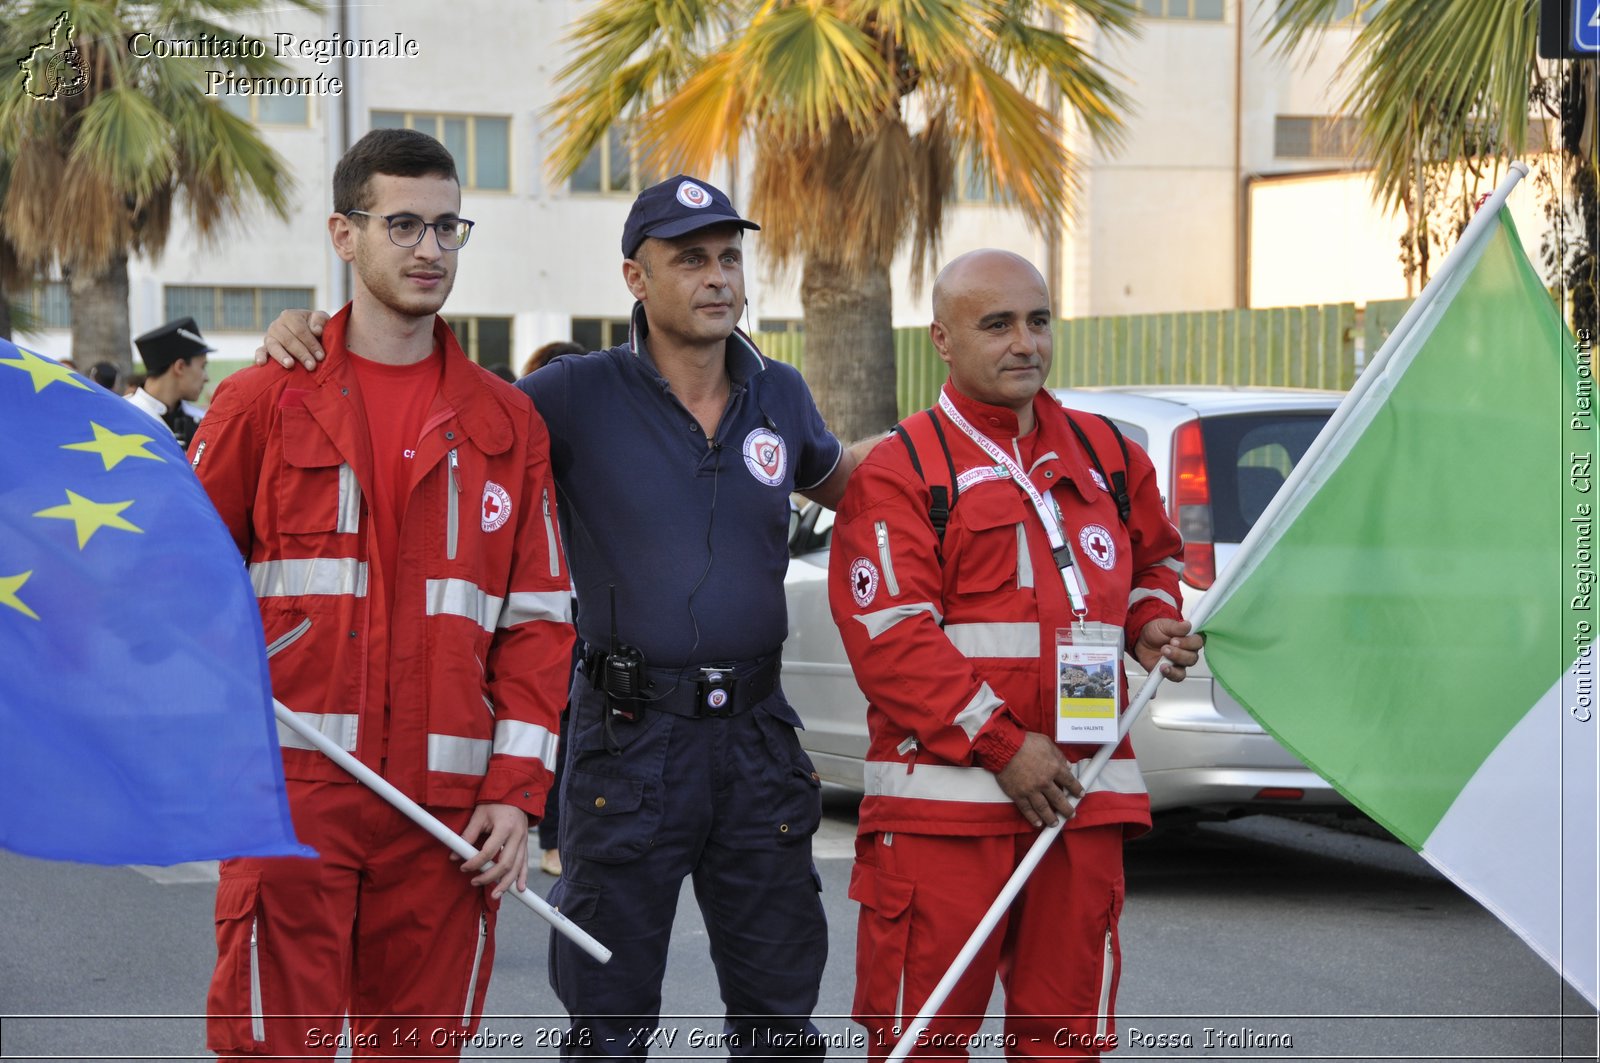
(480, 143)
(1192, 10)
(233, 309)
(486, 340)
(613, 168)
(598, 333)
(46, 305)
(270, 110)
(1357, 11)
(968, 185)
(1316, 137)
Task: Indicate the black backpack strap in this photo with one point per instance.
(942, 497)
(1117, 482)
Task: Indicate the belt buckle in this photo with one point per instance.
(714, 693)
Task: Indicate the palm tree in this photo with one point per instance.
(1444, 91)
(120, 143)
(860, 111)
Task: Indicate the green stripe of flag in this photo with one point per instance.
(1410, 603)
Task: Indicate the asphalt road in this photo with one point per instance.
(1260, 939)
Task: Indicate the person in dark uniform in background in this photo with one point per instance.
(175, 365)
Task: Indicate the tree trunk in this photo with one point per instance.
(100, 329)
(849, 361)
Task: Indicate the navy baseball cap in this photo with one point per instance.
(678, 205)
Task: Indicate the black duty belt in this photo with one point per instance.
(696, 692)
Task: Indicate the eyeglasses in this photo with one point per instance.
(407, 230)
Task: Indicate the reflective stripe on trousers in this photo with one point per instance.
(943, 782)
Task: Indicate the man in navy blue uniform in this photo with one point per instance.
(674, 456)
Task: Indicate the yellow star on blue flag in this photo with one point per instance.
(113, 447)
(43, 371)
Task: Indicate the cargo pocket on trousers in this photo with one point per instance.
(882, 937)
(235, 1021)
(796, 797)
(609, 819)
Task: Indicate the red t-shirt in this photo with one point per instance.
(396, 399)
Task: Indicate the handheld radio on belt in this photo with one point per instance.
(622, 674)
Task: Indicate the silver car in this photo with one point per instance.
(1221, 454)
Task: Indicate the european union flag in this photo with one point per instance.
(135, 707)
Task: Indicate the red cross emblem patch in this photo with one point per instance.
(1098, 546)
(496, 506)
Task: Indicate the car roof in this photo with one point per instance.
(1177, 401)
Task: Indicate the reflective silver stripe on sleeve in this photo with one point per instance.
(458, 597)
(349, 500)
(994, 640)
(517, 739)
(1141, 593)
(340, 728)
(459, 756)
(1172, 563)
(523, 606)
(982, 706)
(1024, 559)
(309, 575)
(943, 782)
(882, 620)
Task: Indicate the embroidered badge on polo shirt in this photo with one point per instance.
(496, 506)
(765, 456)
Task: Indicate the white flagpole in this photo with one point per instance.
(418, 815)
(1480, 224)
(1019, 877)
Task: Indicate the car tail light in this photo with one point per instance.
(1191, 505)
(1279, 793)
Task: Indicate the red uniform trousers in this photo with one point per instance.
(382, 926)
(1056, 951)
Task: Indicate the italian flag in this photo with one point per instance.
(1413, 618)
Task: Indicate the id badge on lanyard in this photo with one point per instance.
(1088, 680)
(1088, 685)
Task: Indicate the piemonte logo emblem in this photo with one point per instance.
(53, 69)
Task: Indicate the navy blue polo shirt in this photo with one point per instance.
(693, 537)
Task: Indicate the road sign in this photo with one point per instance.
(1586, 26)
(1569, 29)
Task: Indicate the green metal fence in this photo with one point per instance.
(1299, 346)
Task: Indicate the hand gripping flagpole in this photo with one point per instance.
(418, 815)
(1019, 877)
(1475, 231)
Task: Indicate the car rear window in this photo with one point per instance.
(1248, 456)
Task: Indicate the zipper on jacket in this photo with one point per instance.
(550, 535)
(1107, 970)
(453, 518)
(908, 745)
(884, 559)
(477, 959)
(199, 452)
(258, 1022)
(288, 638)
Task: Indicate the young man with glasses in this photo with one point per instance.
(396, 511)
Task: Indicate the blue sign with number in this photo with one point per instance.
(1586, 26)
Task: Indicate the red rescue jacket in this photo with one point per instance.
(479, 632)
(954, 645)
